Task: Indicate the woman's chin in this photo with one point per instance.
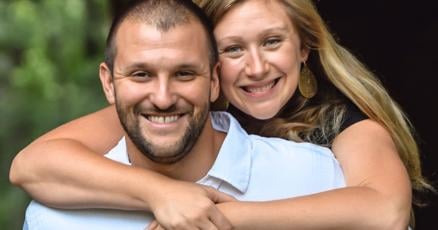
(262, 114)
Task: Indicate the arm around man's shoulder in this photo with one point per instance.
(316, 164)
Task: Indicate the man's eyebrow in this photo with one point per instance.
(189, 66)
(135, 65)
(140, 65)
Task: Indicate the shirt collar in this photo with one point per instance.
(233, 163)
(119, 153)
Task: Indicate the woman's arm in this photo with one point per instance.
(377, 196)
(65, 169)
(50, 167)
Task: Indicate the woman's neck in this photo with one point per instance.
(250, 124)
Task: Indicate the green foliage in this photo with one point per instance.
(49, 56)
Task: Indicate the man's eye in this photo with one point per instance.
(185, 75)
(140, 74)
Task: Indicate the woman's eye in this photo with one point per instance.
(233, 51)
(272, 42)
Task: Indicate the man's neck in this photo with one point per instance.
(194, 165)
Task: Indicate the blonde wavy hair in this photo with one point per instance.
(343, 78)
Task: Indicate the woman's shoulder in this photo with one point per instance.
(352, 116)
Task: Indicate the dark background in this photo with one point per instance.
(398, 40)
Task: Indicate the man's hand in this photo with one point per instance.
(184, 205)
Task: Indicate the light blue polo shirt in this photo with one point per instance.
(248, 167)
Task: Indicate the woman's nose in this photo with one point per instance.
(256, 65)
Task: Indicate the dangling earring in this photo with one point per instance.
(307, 84)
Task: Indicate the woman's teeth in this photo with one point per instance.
(259, 89)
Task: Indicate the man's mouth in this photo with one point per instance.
(162, 119)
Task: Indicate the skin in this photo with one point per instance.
(260, 56)
(377, 197)
(162, 89)
(159, 90)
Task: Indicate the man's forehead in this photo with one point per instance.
(135, 33)
(184, 44)
(190, 24)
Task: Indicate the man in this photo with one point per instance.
(160, 74)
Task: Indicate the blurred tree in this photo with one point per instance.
(49, 56)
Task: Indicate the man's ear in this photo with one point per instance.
(214, 83)
(107, 82)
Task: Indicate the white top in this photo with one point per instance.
(248, 167)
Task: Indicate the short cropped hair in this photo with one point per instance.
(164, 15)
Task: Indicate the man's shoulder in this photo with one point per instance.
(307, 167)
(282, 146)
(237, 137)
(42, 217)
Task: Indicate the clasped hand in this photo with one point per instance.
(184, 205)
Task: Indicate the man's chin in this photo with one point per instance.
(166, 157)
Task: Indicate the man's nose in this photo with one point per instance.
(256, 65)
(163, 96)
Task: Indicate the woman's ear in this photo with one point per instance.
(304, 53)
(107, 82)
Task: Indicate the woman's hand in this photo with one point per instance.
(184, 205)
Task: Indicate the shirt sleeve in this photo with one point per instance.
(25, 227)
(352, 116)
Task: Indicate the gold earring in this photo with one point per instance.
(307, 84)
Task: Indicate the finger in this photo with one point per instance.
(219, 220)
(153, 225)
(206, 224)
(222, 197)
(217, 196)
(159, 227)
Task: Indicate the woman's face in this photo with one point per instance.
(260, 57)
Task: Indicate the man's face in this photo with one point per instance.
(162, 87)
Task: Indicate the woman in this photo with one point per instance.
(263, 45)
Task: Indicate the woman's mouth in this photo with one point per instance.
(260, 88)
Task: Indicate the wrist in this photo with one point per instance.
(150, 191)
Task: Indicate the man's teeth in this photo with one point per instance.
(163, 119)
(260, 89)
